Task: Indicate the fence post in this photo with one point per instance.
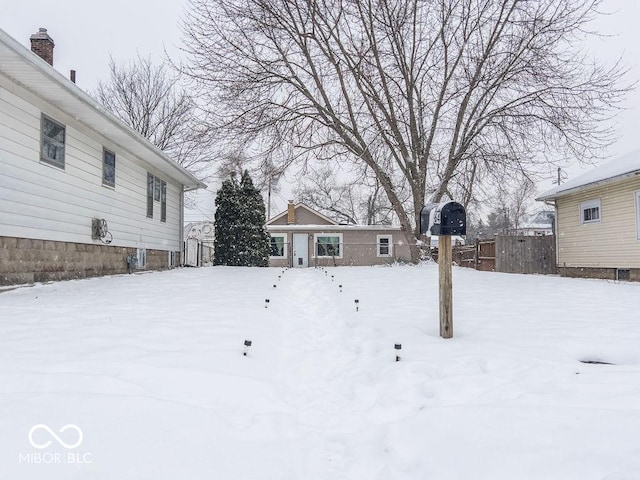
(446, 293)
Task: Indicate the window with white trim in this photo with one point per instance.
(590, 212)
(163, 201)
(278, 245)
(108, 168)
(150, 183)
(52, 142)
(384, 245)
(328, 245)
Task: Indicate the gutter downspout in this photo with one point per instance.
(552, 203)
(181, 226)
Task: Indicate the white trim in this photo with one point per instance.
(284, 247)
(340, 247)
(638, 213)
(389, 245)
(588, 205)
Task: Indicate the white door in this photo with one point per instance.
(300, 250)
(191, 254)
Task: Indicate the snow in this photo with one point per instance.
(150, 368)
(623, 165)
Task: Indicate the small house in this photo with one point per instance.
(303, 237)
(598, 221)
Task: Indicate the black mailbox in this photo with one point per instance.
(447, 218)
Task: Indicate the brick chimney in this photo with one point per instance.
(291, 213)
(42, 45)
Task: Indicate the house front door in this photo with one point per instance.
(300, 250)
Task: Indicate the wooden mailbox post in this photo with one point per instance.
(444, 220)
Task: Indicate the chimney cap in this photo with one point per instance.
(41, 34)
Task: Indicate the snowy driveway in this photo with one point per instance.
(150, 369)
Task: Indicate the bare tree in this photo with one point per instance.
(149, 99)
(432, 96)
(338, 195)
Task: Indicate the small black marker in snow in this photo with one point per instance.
(247, 344)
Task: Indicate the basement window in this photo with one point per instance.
(52, 142)
(590, 212)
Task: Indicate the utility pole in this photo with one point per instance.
(269, 201)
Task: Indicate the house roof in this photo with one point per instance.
(623, 167)
(330, 228)
(25, 68)
(301, 205)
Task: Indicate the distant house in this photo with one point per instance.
(598, 221)
(539, 224)
(82, 194)
(303, 237)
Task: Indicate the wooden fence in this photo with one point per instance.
(509, 254)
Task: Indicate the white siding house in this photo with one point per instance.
(65, 162)
(598, 221)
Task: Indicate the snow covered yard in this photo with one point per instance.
(150, 368)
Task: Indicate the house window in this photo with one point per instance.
(108, 168)
(163, 201)
(278, 245)
(141, 256)
(53, 140)
(149, 195)
(156, 191)
(328, 245)
(590, 211)
(385, 245)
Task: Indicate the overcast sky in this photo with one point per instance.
(86, 32)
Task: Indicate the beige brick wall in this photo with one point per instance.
(24, 260)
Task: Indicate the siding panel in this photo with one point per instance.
(44, 202)
(611, 243)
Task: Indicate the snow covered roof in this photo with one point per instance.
(34, 74)
(618, 169)
(541, 220)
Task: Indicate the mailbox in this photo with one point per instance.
(447, 218)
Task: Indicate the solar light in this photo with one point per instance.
(274, 285)
(279, 277)
(332, 278)
(357, 304)
(398, 347)
(266, 302)
(340, 288)
(247, 344)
